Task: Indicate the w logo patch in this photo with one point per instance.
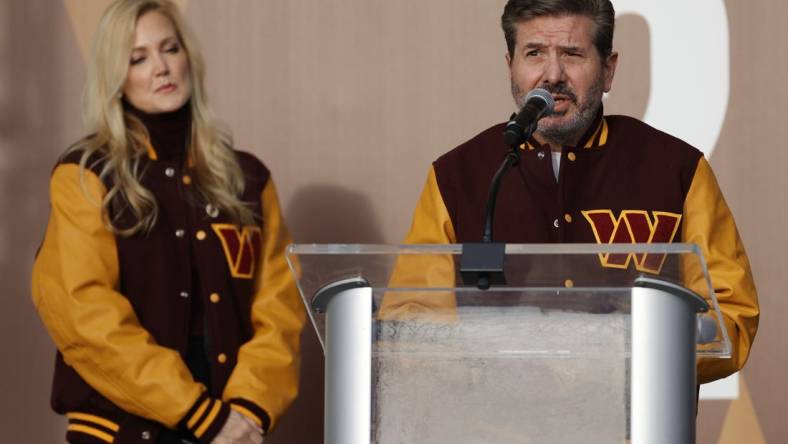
(241, 248)
(633, 226)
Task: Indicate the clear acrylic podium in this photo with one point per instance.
(584, 343)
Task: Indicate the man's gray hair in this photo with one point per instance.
(600, 11)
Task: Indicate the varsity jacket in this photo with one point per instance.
(118, 308)
(625, 182)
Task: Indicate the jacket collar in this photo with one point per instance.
(594, 137)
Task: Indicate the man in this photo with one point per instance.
(581, 171)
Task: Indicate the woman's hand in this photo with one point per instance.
(238, 429)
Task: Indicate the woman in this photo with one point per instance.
(162, 277)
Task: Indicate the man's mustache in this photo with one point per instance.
(561, 89)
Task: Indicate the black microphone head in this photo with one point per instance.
(544, 96)
(538, 103)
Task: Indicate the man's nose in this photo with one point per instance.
(553, 71)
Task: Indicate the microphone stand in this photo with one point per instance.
(481, 264)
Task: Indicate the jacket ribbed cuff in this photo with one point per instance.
(206, 418)
(252, 411)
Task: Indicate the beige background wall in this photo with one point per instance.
(348, 101)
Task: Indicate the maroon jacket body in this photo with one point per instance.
(625, 182)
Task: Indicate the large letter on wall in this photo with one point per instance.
(690, 66)
(690, 85)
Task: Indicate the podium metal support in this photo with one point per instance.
(348, 377)
(663, 374)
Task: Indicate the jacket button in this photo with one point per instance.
(555, 223)
(214, 297)
(170, 171)
(184, 294)
(145, 435)
(201, 235)
(568, 217)
(571, 157)
(212, 210)
(187, 180)
(569, 283)
(222, 358)
(180, 232)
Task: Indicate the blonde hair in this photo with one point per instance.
(119, 140)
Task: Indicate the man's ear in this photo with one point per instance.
(609, 67)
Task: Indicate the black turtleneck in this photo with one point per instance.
(169, 132)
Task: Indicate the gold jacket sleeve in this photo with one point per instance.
(431, 225)
(266, 373)
(709, 224)
(431, 221)
(74, 284)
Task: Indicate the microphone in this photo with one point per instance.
(538, 103)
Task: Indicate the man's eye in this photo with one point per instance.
(532, 53)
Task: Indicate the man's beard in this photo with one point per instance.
(570, 131)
